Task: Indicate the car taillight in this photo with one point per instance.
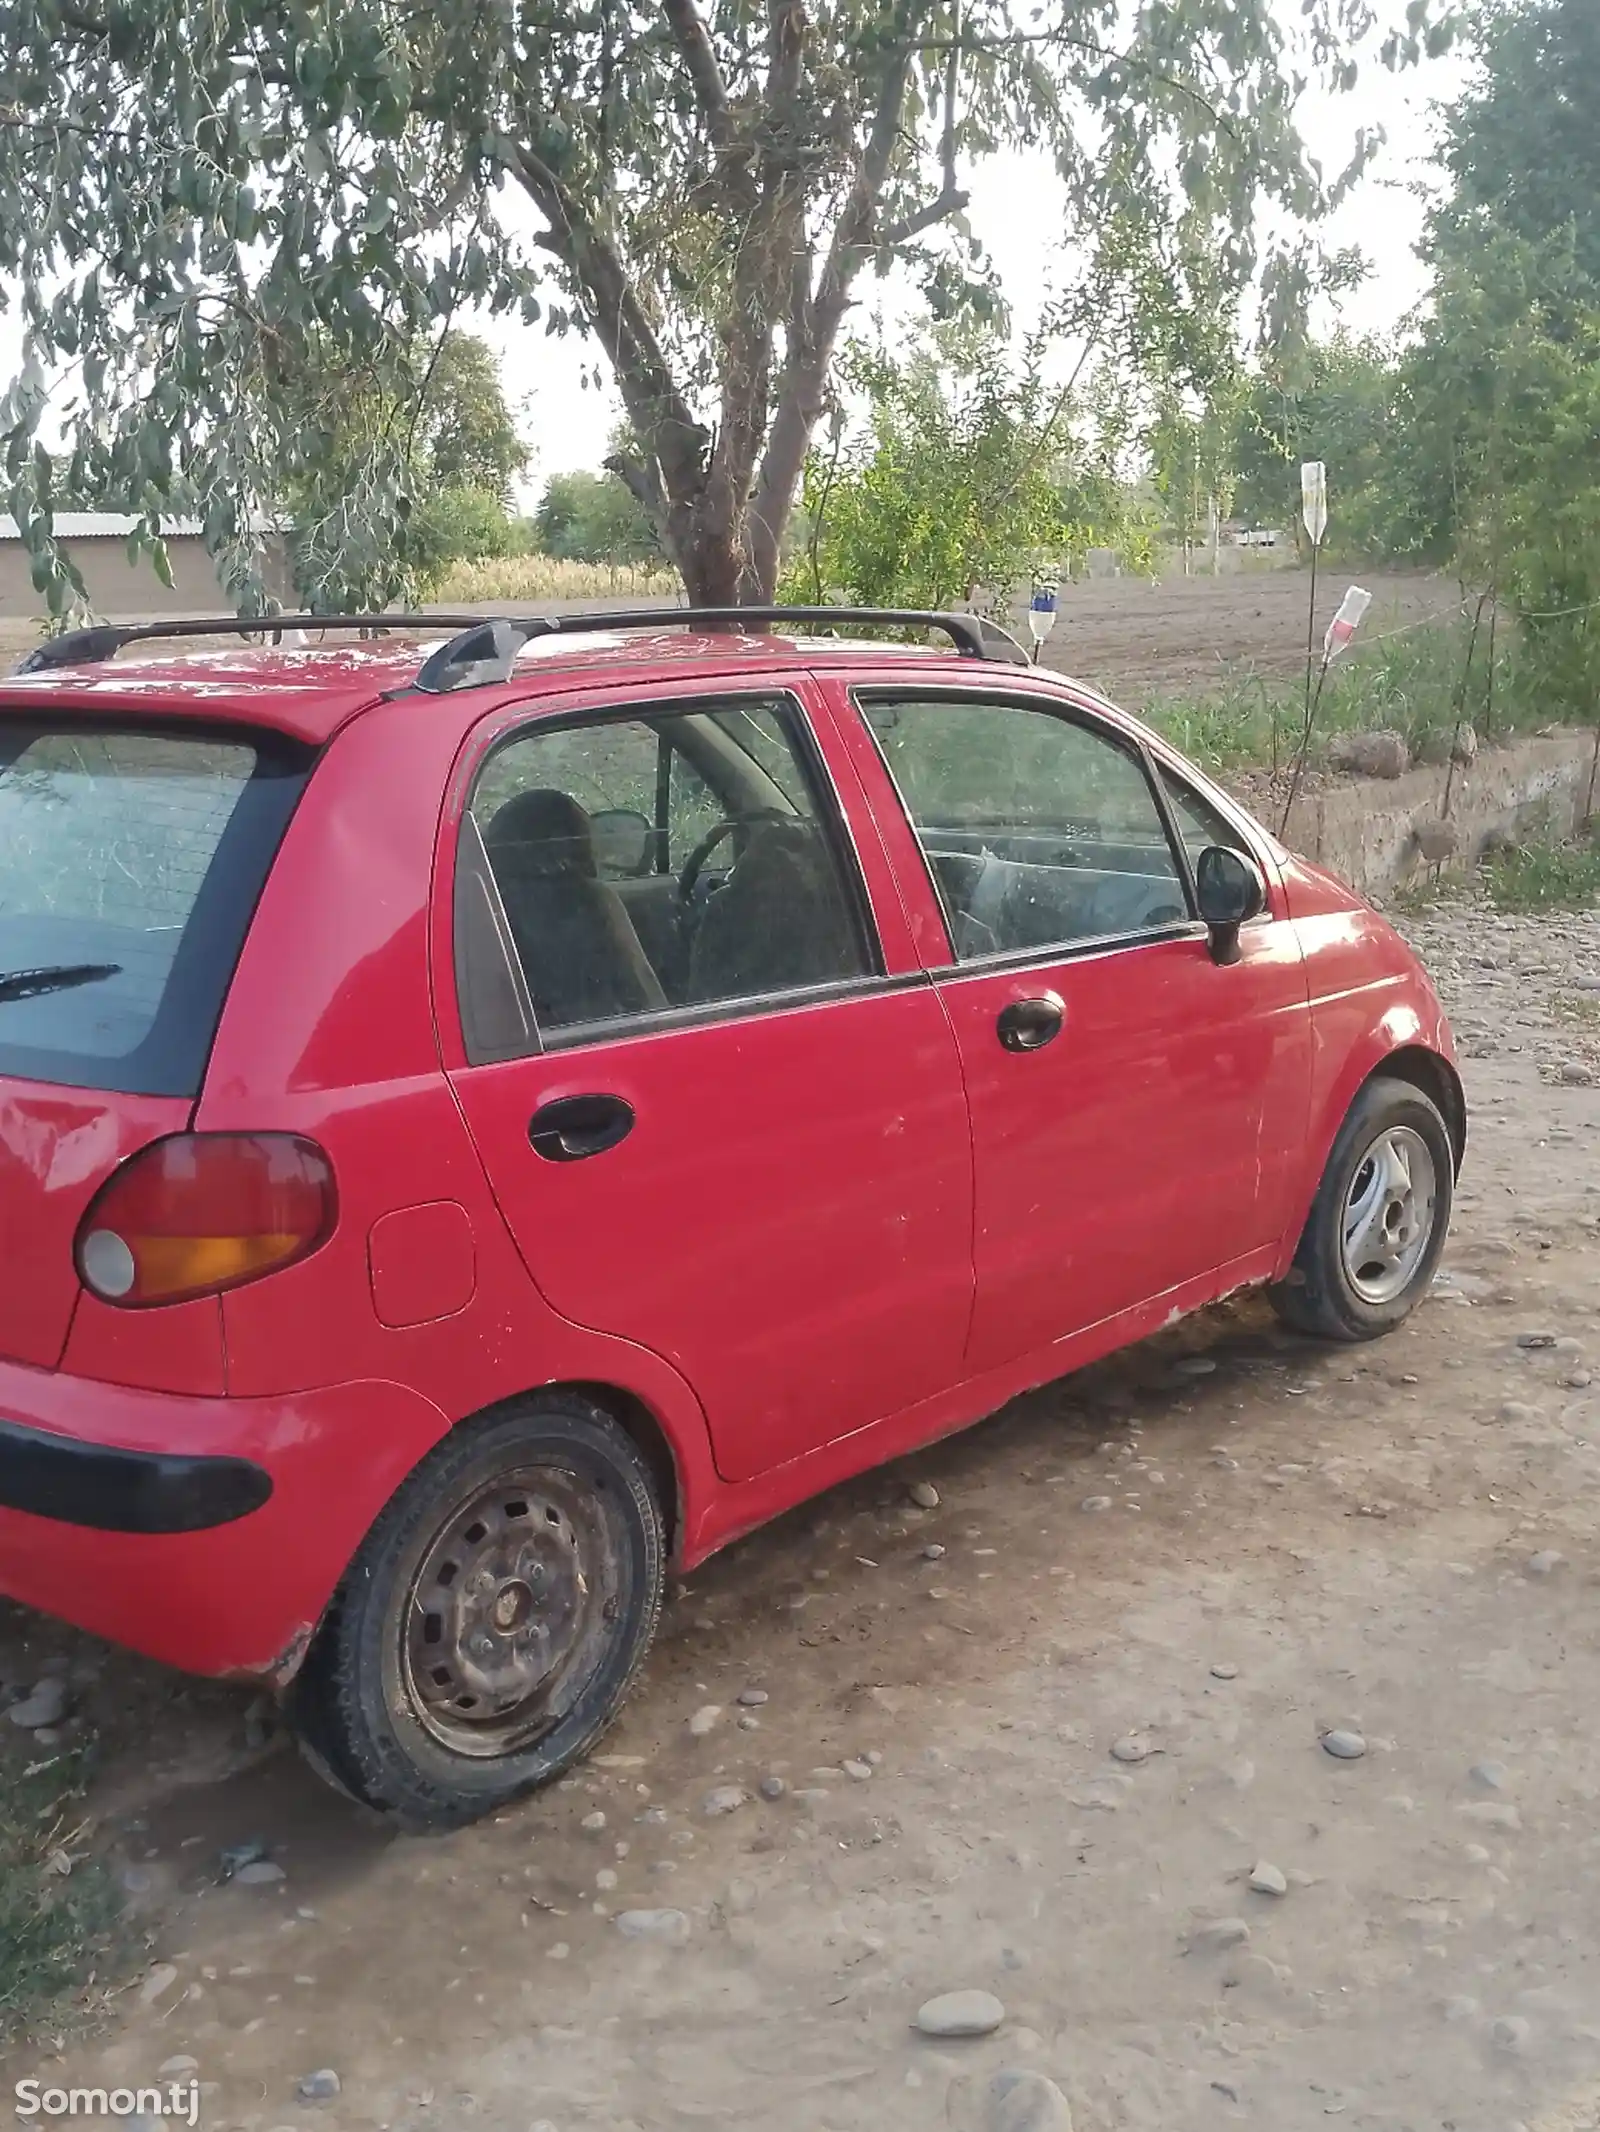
(202, 1212)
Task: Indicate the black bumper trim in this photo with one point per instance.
(112, 1490)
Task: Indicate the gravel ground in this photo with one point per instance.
(997, 1740)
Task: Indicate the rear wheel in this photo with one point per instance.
(491, 1624)
(1378, 1223)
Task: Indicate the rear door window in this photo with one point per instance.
(752, 897)
(130, 863)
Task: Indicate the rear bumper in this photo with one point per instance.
(111, 1490)
(206, 1533)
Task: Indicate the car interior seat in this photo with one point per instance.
(580, 954)
(780, 923)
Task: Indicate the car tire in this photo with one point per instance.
(1378, 1224)
(493, 1620)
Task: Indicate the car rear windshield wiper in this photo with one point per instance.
(60, 977)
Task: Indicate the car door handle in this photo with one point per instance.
(574, 1127)
(1029, 1024)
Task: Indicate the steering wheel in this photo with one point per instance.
(694, 864)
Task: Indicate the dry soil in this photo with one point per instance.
(1398, 1540)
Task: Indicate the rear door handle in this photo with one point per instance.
(1030, 1024)
(575, 1127)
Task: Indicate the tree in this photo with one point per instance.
(592, 518)
(464, 423)
(445, 430)
(195, 194)
(1190, 441)
(1338, 401)
(1522, 147)
(966, 477)
(1501, 393)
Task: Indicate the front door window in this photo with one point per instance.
(1039, 832)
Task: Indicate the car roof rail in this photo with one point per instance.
(103, 640)
(485, 647)
(487, 652)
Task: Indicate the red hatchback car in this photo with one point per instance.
(479, 1124)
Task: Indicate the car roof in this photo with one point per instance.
(310, 692)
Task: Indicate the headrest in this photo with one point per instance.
(543, 832)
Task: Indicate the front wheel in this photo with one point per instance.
(1378, 1224)
(490, 1626)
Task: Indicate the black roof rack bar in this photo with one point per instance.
(487, 651)
(103, 640)
(485, 648)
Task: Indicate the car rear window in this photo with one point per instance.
(130, 863)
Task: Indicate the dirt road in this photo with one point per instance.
(1031, 1742)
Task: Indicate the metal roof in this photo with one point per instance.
(117, 525)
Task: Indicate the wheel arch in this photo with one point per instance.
(1410, 1060)
(650, 1439)
(1432, 1074)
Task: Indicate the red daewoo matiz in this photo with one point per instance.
(479, 1124)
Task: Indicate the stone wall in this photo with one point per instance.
(1368, 829)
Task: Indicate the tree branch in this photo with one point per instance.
(699, 57)
(962, 43)
(947, 138)
(949, 202)
(814, 324)
(641, 483)
(658, 410)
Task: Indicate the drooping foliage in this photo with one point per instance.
(202, 201)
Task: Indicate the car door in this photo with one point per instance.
(1134, 1105)
(751, 1156)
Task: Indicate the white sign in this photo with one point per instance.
(1314, 499)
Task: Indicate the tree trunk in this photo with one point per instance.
(714, 560)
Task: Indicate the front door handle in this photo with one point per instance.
(574, 1127)
(1030, 1024)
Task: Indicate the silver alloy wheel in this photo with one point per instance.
(1389, 1213)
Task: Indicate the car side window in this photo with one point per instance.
(563, 901)
(1199, 823)
(1039, 831)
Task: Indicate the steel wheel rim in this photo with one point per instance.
(509, 1611)
(1386, 1223)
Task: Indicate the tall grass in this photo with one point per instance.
(57, 1929)
(1546, 877)
(1416, 682)
(514, 578)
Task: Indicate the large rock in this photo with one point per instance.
(1437, 841)
(669, 1927)
(961, 2013)
(1025, 2102)
(46, 1705)
(1377, 754)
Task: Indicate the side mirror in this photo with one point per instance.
(1230, 892)
(623, 841)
